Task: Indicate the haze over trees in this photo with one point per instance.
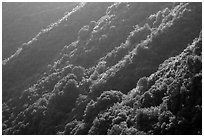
(22, 21)
(108, 69)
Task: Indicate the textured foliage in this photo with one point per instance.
(126, 69)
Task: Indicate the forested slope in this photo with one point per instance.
(169, 101)
(127, 68)
(31, 59)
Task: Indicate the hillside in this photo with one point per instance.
(35, 55)
(109, 68)
(22, 21)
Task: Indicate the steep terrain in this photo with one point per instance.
(109, 68)
(31, 59)
(22, 21)
(167, 102)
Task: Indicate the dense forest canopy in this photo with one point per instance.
(102, 68)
